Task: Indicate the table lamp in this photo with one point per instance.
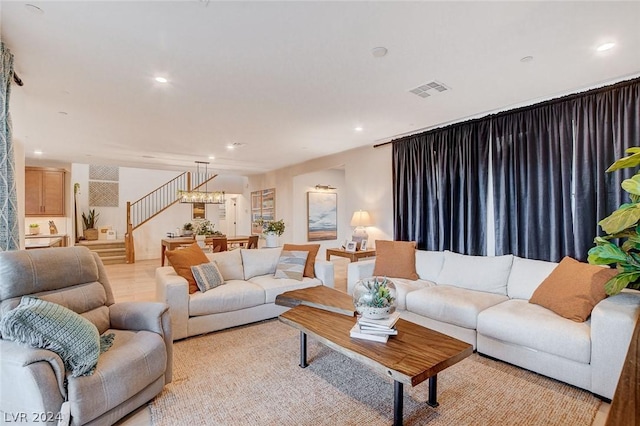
(360, 219)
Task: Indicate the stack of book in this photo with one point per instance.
(376, 330)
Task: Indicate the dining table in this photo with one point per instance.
(171, 243)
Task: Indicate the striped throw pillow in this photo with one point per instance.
(291, 264)
(207, 276)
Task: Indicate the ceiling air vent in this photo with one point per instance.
(429, 89)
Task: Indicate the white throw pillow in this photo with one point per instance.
(481, 273)
(229, 263)
(526, 275)
(260, 262)
(429, 264)
(207, 276)
(291, 264)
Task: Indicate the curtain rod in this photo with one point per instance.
(553, 101)
(17, 79)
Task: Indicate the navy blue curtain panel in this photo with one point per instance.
(440, 188)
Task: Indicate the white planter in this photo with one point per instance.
(271, 240)
(200, 239)
(34, 230)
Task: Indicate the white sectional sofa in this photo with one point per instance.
(248, 294)
(483, 300)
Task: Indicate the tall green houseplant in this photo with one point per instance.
(621, 245)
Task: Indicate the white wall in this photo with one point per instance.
(302, 184)
(367, 185)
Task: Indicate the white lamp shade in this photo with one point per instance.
(361, 218)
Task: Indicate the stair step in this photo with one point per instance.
(111, 252)
(108, 251)
(113, 260)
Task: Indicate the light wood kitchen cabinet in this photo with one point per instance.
(44, 191)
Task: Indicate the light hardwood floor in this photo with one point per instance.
(136, 282)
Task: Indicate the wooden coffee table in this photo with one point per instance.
(413, 356)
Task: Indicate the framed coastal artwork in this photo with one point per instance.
(322, 212)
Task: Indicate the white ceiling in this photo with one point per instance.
(289, 80)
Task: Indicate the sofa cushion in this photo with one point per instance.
(453, 305)
(207, 276)
(573, 289)
(275, 286)
(183, 259)
(481, 273)
(41, 324)
(141, 356)
(526, 275)
(309, 268)
(229, 263)
(259, 262)
(405, 286)
(429, 264)
(524, 324)
(232, 296)
(396, 259)
(291, 264)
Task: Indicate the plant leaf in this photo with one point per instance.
(632, 185)
(626, 216)
(632, 160)
(606, 253)
(633, 150)
(620, 281)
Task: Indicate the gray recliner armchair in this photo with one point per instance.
(129, 374)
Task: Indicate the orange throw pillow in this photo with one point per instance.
(573, 288)
(396, 259)
(183, 259)
(309, 266)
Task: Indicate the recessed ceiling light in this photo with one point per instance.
(37, 152)
(211, 157)
(230, 146)
(161, 80)
(34, 9)
(526, 59)
(358, 129)
(605, 46)
(379, 52)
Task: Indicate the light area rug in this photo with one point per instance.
(250, 376)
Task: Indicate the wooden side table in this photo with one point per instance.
(353, 256)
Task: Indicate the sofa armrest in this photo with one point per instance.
(32, 380)
(357, 271)
(325, 273)
(612, 324)
(149, 316)
(173, 290)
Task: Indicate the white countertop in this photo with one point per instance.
(41, 242)
(41, 235)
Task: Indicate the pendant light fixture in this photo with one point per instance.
(205, 197)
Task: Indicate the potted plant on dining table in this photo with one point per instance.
(271, 230)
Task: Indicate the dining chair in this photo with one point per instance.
(253, 242)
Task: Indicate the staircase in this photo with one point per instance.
(111, 252)
(146, 208)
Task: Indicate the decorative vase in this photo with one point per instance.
(201, 240)
(271, 240)
(375, 297)
(91, 234)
